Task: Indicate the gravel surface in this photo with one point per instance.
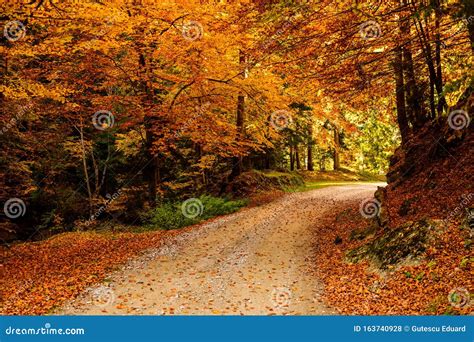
(258, 261)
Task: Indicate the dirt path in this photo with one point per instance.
(255, 262)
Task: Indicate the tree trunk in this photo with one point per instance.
(423, 36)
(415, 112)
(267, 161)
(237, 162)
(297, 157)
(310, 148)
(150, 169)
(400, 94)
(439, 75)
(337, 143)
(322, 164)
(86, 172)
(292, 159)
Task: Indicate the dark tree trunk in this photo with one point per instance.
(310, 148)
(415, 112)
(292, 159)
(150, 169)
(439, 75)
(414, 97)
(267, 161)
(400, 94)
(322, 164)
(297, 157)
(423, 36)
(237, 162)
(337, 146)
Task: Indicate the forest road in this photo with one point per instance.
(257, 261)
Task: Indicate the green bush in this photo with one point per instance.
(174, 215)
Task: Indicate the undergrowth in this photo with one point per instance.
(174, 215)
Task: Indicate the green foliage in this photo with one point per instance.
(375, 143)
(170, 214)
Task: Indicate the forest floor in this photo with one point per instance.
(259, 261)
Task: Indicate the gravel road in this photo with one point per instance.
(255, 262)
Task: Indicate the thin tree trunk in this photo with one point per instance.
(84, 165)
(415, 112)
(432, 99)
(310, 148)
(267, 163)
(292, 159)
(439, 75)
(400, 94)
(150, 169)
(96, 175)
(322, 163)
(310, 158)
(297, 157)
(427, 52)
(237, 162)
(337, 143)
